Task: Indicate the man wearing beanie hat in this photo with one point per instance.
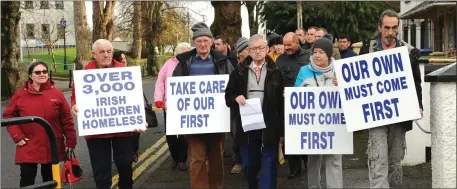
(242, 48)
(243, 52)
(320, 73)
(202, 147)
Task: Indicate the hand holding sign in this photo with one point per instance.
(74, 110)
(377, 89)
(108, 101)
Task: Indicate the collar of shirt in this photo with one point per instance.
(253, 65)
(199, 57)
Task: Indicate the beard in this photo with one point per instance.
(389, 40)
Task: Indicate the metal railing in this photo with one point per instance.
(56, 182)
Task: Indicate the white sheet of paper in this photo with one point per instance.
(251, 115)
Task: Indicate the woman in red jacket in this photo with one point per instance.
(39, 97)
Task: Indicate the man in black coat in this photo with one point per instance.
(258, 77)
(290, 64)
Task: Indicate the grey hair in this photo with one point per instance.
(98, 42)
(182, 47)
(388, 13)
(257, 37)
(322, 29)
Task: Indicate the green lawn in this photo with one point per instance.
(59, 54)
(71, 54)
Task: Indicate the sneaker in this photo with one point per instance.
(237, 169)
(182, 167)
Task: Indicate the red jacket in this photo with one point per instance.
(49, 104)
(93, 65)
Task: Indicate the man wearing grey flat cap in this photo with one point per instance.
(202, 147)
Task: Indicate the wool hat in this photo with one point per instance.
(200, 29)
(324, 44)
(274, 39)
(241, 44)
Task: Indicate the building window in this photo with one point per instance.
(59, 4)
(30, 29)
(29, 5)
(413, 35)
(44, 4)
(405, 33)
(45, 31)
(60, 31)
(425, 34)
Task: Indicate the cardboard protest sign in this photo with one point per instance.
(196, 105)
(315, 122)
(109, 100)
(377, 89)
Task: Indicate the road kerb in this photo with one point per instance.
(145, 154)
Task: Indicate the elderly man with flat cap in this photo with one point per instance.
(201, 147)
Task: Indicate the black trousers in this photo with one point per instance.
(29, 170)
(176, 144)
(100, 159)
(295, 161)
(136, 142)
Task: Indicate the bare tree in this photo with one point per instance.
(137, 29)
(227, 20)
(81, 35)
(10, 47)
(103, 20)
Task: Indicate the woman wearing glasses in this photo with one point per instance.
(39, 97)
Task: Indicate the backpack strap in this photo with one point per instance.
(365, 49)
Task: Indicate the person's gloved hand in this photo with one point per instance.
(159, 104)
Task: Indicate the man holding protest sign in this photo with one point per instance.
(388, 100)
(100, 145)
(203, 61)
(289, 64)
(258, 77)
(320, 73)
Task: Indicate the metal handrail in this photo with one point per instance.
(53, 144)
(423, 130)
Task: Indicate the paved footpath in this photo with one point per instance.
(353, 177)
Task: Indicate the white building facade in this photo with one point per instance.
(418, 33)
(40, 23)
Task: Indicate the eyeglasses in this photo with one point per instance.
(254, 49)
(41, 72)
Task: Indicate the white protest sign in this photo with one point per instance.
(109, 100)
(377, 89)
(196, 105)
(315, 122)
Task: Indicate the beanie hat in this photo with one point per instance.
(276, 40)
(241, 44)
(200, 29)
(324, 44)
(329, 37)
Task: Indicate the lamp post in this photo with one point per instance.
(63, 25)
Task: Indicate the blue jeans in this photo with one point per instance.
(255, 158)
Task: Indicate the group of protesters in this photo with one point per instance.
(259, 67)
